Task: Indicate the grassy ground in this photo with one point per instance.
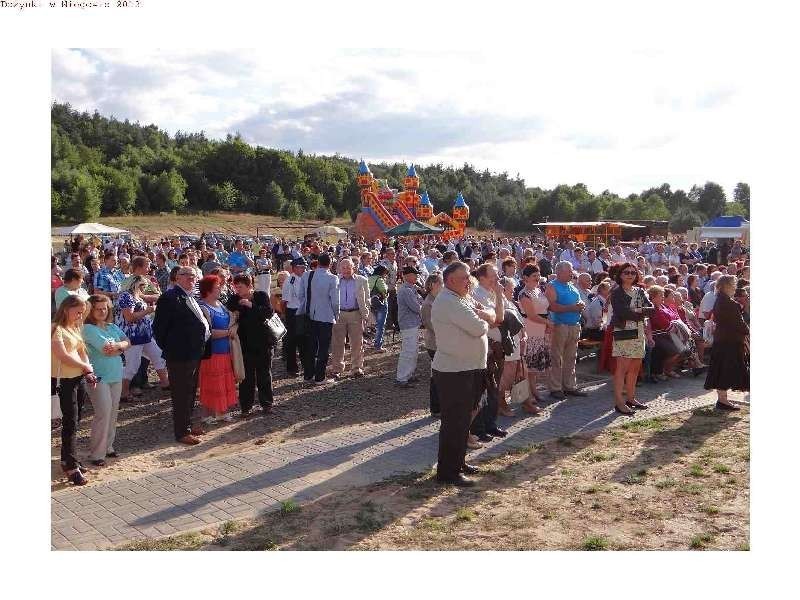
(670, 483)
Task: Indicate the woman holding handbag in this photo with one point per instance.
(513, 367)
(216, 379)
(69, 364)
(538, 328)
(630, 306)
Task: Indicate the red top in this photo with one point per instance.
(662, 317)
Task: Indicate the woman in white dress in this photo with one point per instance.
(538, 328)
(263, 281)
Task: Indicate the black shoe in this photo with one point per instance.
(245, 414)
(77, 478)
(470, 469)
(436, 415)
(99, 463)
(497, 432)
(459, 481)
(294, 374)
(112, 455)
(485, 437)
(557, 395)
(721, 406)
(575, 393)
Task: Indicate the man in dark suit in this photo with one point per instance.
(181, 331)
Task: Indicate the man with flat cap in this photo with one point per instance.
(294, 341)
(409, 308)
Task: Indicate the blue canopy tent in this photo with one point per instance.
(727, 227)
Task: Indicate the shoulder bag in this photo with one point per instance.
(302, 324)
(376, 299)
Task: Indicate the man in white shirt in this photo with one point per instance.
(618, 256)
(595, 265)
(294, 342)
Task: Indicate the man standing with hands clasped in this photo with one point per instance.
(459, 370)
(565, 312)
(353, 314)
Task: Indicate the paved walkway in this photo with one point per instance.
(207, 493)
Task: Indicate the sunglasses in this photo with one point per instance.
(629, 272)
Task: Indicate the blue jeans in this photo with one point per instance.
(380, 325)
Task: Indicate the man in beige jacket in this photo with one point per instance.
(354, 312)
(459, 369)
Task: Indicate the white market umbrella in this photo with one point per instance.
(88, 228)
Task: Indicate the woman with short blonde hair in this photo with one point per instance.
(105, 343)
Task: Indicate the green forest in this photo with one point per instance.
(103, 166)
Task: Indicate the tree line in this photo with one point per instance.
(103, 166)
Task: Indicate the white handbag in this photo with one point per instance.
(521, 391)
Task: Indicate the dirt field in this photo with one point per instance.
(231, 223)
(673, 483)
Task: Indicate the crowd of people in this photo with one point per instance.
(501, 319)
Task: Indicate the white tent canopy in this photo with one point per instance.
(88, 229)
(330, 231)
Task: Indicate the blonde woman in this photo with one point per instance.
(105, 344)
(69, 364)
(133, 318)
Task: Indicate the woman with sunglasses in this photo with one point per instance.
(133, 317)
(630, 306)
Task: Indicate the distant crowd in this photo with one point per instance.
(499, 318)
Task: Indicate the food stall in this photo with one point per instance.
(590, 232)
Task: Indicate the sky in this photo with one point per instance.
(612, 118)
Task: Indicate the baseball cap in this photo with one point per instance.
(299, 262)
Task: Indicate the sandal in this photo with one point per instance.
(532, 409)
(505, 411)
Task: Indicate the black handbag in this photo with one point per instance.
(275, 329)
(376, 300)
(626, 334)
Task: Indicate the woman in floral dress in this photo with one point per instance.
(538, 328)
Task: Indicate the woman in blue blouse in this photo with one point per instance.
(105, 343)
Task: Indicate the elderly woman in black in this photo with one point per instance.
(729, 368)
(629, 306)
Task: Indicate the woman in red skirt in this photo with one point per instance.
(216, 380)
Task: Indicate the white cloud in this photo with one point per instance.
(609, 118)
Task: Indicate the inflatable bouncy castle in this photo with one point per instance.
(383, 208)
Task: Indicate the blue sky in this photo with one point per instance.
(613, 119)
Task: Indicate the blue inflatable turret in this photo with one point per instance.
(412, 172)
(363, 169)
